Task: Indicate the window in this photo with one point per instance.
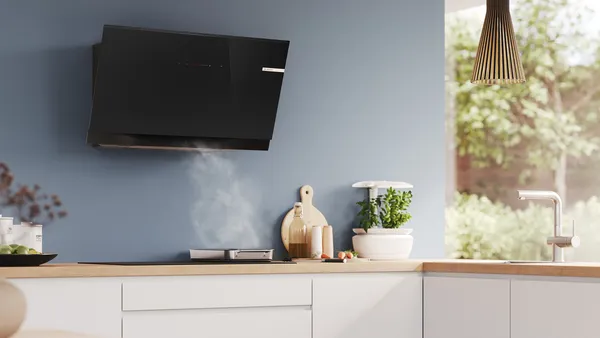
(543, 135)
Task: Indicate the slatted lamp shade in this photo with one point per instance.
(497, 60)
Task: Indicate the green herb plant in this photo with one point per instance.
(367, 215)
(388, 211)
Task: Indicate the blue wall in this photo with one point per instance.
(363, 99)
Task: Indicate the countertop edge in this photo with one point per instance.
(428, 266)
(94, 270)
(496, 268)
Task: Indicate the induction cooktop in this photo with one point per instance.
(202, 262)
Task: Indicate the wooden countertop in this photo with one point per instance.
(95, 270)
(435, 266)
(503, 268)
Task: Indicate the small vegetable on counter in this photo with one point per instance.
(349, 254)
(325, 256)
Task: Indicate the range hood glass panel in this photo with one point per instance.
(186, 85)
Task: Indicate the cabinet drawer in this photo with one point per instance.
(289, 322)
(205, 292)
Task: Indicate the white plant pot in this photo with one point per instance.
(383, 246)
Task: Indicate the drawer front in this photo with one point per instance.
(206, 292)
(289, 322)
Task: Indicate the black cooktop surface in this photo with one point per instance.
(201, 262)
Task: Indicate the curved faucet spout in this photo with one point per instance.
(557, 253)
(539, 195)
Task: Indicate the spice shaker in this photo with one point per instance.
(316, 245)
(328, 240)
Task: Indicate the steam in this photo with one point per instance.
(224, 214)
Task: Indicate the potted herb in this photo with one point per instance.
(381, 235)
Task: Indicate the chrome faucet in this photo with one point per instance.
(558, 241)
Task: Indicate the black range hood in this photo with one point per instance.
(184, 91)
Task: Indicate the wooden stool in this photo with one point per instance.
(12, 311)
(12, 315)
(49, 334)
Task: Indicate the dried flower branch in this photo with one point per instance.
(29, 203)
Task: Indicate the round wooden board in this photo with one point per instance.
(312, 216)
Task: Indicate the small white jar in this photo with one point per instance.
(29, 235)
(6, 230)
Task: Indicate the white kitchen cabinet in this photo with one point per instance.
(274, 322)
(82, 305)
(466, 307)
(382, 305)
(207, 292)
(555, 309)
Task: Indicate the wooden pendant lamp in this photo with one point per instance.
(497, 60)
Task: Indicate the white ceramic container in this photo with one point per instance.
(383, 245)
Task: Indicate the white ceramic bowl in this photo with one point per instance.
(383, 247)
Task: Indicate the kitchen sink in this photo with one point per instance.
(530, 262)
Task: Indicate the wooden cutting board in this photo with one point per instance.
(312, 216)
